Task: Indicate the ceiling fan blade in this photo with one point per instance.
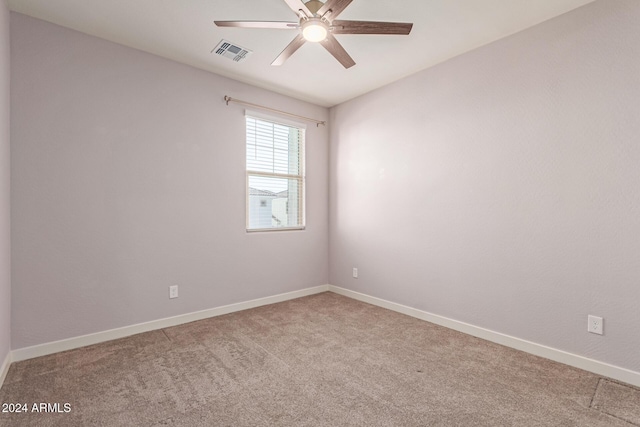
(335, 6)
(370, 27)
(338, 52)
(258, 24)
(289, 50)
(297, 6)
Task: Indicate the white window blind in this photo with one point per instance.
(275, 175)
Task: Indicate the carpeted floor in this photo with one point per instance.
(323, 360)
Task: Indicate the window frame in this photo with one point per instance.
(301, 177)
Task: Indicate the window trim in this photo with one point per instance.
(301, 178)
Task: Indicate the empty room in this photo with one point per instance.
(320, 213)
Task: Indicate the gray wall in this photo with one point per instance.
(127, 177)
(502, 188)
(5, 229)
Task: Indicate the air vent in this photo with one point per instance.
(232, 51)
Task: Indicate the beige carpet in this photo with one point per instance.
(323, 360)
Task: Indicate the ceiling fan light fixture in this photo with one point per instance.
(314, 30)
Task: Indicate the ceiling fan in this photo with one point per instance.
(317, 23)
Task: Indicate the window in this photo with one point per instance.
(275, 174)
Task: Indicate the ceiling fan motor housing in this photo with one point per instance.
(314, 6)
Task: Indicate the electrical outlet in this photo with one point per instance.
(173, 291)
(355, 273)
(595, 325)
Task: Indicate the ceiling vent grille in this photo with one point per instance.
(232, 51)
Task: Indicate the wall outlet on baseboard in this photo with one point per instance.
(595, 325)
(173, 291)
(355, 273)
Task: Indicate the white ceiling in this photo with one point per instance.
(183, 30)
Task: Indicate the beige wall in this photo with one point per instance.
(5, 229)
(502, 188)
(128, 177)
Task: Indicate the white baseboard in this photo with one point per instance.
(599, 368)
(4, 368)
(581, 362)
(112, 334)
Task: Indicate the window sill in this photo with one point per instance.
(254, 230)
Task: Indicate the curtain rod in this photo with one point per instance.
(229, 99)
